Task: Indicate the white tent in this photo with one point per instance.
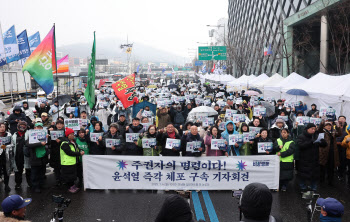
(258, 79)
(270, 81)
(274, 89)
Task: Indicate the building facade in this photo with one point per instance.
(269, 36)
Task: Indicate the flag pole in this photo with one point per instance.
(54, 37)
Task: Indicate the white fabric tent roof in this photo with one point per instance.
(258, 79)
(290, 80)
(243, 80)
(273, 80)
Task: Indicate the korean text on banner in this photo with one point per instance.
(180, 173)
(11, 46)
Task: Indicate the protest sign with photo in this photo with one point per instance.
(259, 111)
(284, 118)
(222, 125)
(5, 140)
(208, 121)
(74, 124)
(316, 121)
(37, 136)
(303, 120)
(193, 146)
(217, 144)
(254, 130)
(112, 142)
(55, 134)
(229, 113)
(172, 143)
(249, 136)
(235, 138)
(264, 146)
(149, 142)
(131, 137)
(94, 136)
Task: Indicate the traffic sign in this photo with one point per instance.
(212, 52)
(198, 63)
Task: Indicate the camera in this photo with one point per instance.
(63, 203)
(60, 200)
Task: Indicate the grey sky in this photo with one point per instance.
(173, 26)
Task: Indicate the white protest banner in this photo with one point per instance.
(207, 102)
(264, 146)
(249, 136)
(83, 123)
(324, 111)
(179, 173)
(5, 140)
(149, 142)
(222, 125)
(160, 103)
(216, 144)
(284, 118)
(253, 102)
(37, 136)
(238, 118)
(259, 111)
(239, 100)
(146, 126)
(208, 121)
(316, 121)
(255, 130)
(72, 123)
(229, 113)
(193, 146)
(131, 137)
(112, 142)
(55, 134)
(172, 143)
(235, 138)
(94, 136)
(70, 110)
(302, 120)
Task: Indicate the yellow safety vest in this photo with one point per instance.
(284, 148)
(65, 159)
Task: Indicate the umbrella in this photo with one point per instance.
(297, 92)
(255, 89)
(172, 86)
(251, 93)
(62, 99)
(203, 110)
(152, 86)
(270, 109)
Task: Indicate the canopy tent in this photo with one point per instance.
(270, 81)
(258, 79)
(242, 82)
(274, 89)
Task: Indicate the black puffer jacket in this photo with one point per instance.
(175, 209)
(309, 167)
(161, 138)
(14, 118)
(118, 150)
(131, 148)
(97, 149)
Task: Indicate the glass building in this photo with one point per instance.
(279, 36)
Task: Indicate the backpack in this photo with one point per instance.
(179, 118)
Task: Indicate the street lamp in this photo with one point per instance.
(219, 26)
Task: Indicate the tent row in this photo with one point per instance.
(322, 89)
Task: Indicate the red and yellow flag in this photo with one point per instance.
(125, 90)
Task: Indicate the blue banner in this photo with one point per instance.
(34, 41)
(23, 45)
(198, 63)
(138, 68)
(11, 47)
(2, 50)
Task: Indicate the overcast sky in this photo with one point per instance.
(173, 25)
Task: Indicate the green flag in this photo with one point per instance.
(90, 88)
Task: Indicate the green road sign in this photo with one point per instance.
(212, 53)
(176, 69)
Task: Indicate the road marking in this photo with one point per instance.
(197, 206)
(210, 207)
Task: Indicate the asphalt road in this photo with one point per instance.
(129, 205)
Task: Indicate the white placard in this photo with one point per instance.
(302, 120)
(37, 136)
(193, 146)
(235, 138)
(94, 136)
(216, 144)
(112, 142)
(316, 121)
(255, 130)
(284, 118)
(74, 124)
(259, 111)
(264, 146)
(131, 137)
(229, 113)
(55, 134)
(222, 125)
(70, 110)
(248, 136)
(148, 142)
(172, 143)
(5, 140)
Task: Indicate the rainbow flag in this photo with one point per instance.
(42, 62)
(63, 65)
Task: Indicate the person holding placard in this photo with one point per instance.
(38, 160)
(44, 108)
(193, 136)
(163, 117)
(131, 148)
(246, 146)
(258, 122)
(116, 137)
(313, 110)
(261, 138)
(152, 150)
(275, 130)
(15, 118)
(55, 144)
(70, 154)
(211, 135)
(97, 147)
(5, 157)
(284, 147)
(169, 133)
(230, 129)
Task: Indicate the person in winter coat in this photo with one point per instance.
(16, 117)
(55, 161)
(113, 133)
(91, 125)
(20, 161)
(54, 111)
(83, 144)
(163, 117)
(342, 151)
(122, 123)
(245, 147)
(98, 148)
(261, 137)
(131, 148)
(329, 155)
(151, 133)
(38, 160)
(187, 110)
(177, 116)
(258, 122)
(193, 136)
(5, 155)
(230, 129)
(14, 208)
(309, 167)
(46, 120)
(284, 148)
(275, 130)
(185, 128)
(346, 145)
(44, 108)
(176, 209)
(313, 110)
(162, 136)
(70, 154)
(213, 134)
(302, 107)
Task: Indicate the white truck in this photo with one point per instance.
(14, 83)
